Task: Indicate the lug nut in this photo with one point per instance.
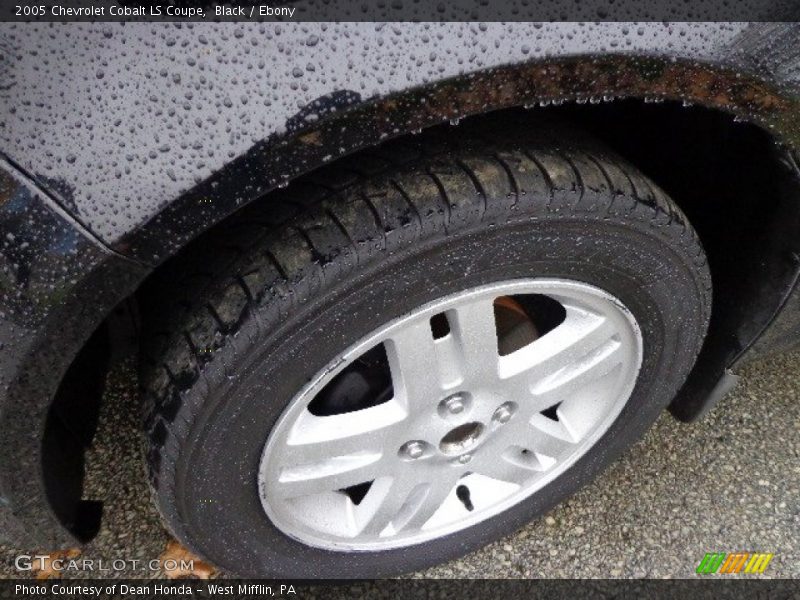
(454, 404)
(413, 450)
(465, 458)
(504, 413)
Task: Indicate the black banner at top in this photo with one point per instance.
(398, 10)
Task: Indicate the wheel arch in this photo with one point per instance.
(349, 124)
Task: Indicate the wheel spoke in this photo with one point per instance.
(335, 473)
(436, 493)
(413, 363)
(401, 502)
(580, 332)
(537, 446)
(475, 331)
(511, 467)
(583, 348)
(315, 439)
(334, 452)
(548, 438)
(582, 371)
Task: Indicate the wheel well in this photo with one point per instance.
(740, 191)
(729, 177)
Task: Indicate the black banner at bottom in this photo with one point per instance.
(680, 589)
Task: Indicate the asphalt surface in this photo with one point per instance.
(730, 483)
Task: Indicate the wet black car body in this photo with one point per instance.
(122, 143)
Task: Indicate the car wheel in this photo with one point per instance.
(414, 353)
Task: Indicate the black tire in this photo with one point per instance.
(260, 306)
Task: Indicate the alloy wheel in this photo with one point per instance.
(449, 415)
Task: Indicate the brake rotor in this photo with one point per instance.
(515, 328)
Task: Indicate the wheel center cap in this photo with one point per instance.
(461, 438)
